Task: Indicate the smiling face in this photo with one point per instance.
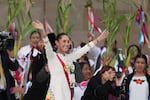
(86, 72)
(63, 44)
(35, 38)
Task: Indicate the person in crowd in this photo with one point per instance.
(81, 87)
(32, 60)
(61, 64)
(78, 72)
(137, 84)
(99, 52)
(39, 76)
(132, 50)
(7, 62)
(100, 85)
(25, 55)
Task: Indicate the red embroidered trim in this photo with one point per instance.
(66, 74)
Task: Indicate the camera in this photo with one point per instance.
(5, 42)
(4, 34)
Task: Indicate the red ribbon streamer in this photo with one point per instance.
(66, 74)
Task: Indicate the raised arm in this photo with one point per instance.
(95, 51)
(87, 47)
(49, 49)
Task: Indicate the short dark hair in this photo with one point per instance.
(59, 36)
(83, 63)
(35, 32)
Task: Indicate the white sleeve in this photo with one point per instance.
(48, 47)
(21, 58)
(80, 52)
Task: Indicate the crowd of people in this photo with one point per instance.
(51, 68)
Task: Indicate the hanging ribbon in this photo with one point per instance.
(91, 23)
(141, 38)
(141, 16)
(91, 16)
(95, 25)
(98, 19)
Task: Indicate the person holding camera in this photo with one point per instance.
(100, 85)
(7, 63)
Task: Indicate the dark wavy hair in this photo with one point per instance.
(131, 46)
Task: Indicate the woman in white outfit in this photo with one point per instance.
(61, 64)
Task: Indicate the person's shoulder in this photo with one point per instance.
(25, 47)
(24, 50)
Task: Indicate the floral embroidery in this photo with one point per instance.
(50, 95)
(69, 68)
(138, 81)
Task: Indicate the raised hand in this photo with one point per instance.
(37, 24)
(102, 36)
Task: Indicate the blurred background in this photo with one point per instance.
(78, 16)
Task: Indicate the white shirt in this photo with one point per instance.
(78, 93)
(22, 55)
(138, 90)
(79, 90)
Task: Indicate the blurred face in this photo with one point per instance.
(140, 65)
(63, 44)
(132, 60)
(109, 75)
(86, 72)
(41, 45)
(35, 39)
(70, 47)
